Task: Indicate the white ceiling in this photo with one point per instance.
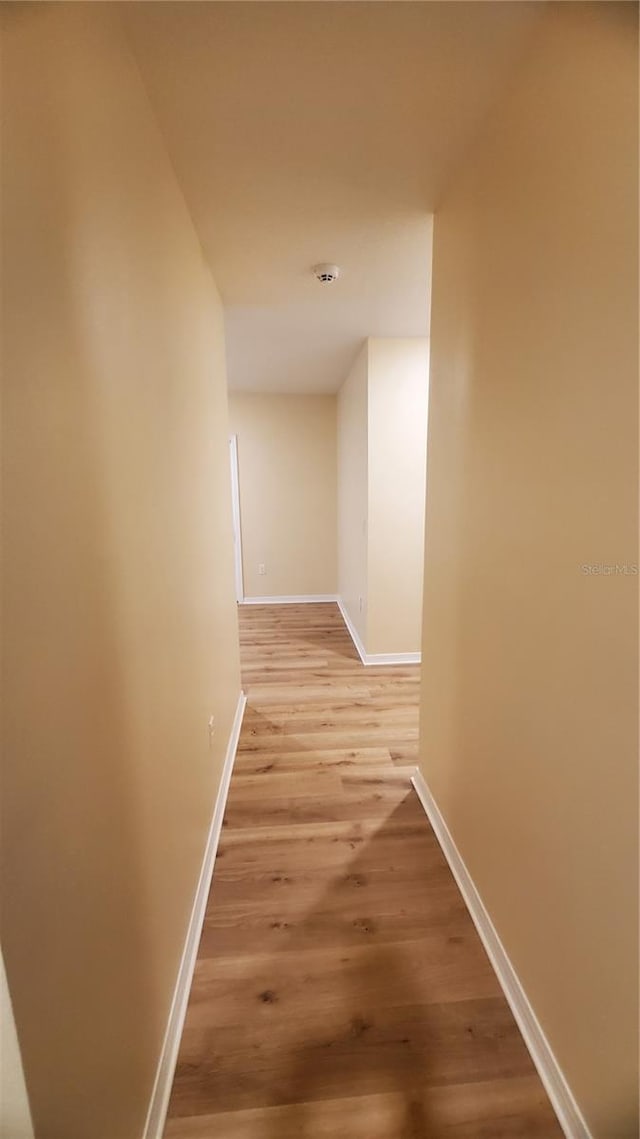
(305, 132)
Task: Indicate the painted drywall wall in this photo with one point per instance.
(397, 425)
(119, 616)
(382, 443)
(353, 492)
(288, 496)
(530, 683)
(15, 1116)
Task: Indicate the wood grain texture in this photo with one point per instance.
(341, 989)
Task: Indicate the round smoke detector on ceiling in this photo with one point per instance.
(326, 274)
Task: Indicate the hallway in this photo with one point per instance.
(340, 988)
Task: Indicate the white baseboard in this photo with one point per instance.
(569, 1115)
(353, 632)
(393, 658)
(159, 1103)
(302, 599)
(374, 658)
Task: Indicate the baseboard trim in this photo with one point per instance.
(353, 632)
(562, 1100)
(302, 599)
(159, 1103)
(393, 658)
(374, 658)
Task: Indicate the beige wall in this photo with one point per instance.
(120, 635)
(287, 466)
(529, 700)
(398, 399)
(353, 436)
(382, 441)
(15, 1116)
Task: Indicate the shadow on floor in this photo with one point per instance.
(348, 967)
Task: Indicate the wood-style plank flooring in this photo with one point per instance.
(341, 991)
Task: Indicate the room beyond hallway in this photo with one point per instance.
(340, 989)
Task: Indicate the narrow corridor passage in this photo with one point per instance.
(341, 991)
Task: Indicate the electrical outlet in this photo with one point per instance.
(261, 569)
(360, 604)
(212, 728)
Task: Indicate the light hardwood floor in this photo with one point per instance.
(341, 991)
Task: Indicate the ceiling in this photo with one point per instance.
(305, 132)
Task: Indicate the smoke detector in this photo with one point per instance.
(326, 274)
